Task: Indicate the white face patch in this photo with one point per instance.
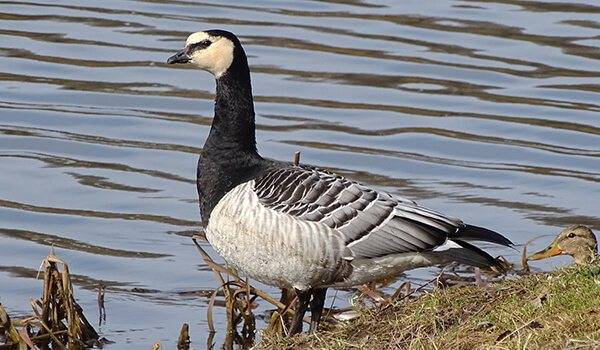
(216, 58)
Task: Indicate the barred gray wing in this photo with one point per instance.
(373, 223)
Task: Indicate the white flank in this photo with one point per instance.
(448, 245)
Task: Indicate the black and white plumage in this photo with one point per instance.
(298, 226)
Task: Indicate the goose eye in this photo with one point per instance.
(200, 45)
(571, 235)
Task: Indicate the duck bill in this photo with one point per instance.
(180, 57)
(552, 250)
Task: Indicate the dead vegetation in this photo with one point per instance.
(57, 322)
(559, 310)
(240, 301)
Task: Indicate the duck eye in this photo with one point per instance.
(571, 235)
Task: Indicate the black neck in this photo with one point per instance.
(233, 124)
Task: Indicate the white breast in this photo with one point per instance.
(272, 247)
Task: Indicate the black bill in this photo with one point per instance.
(180, 57)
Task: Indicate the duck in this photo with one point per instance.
(298, 227)
(578, 241)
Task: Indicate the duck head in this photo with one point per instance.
(577, 241)
(213, 51)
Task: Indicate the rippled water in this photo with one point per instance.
(486, 110)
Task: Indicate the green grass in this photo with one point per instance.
(504, 315)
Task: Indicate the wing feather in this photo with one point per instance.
(372, 223)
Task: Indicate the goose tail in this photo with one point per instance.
(459, 251)
(476, 233)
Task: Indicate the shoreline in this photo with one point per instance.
(555, 310)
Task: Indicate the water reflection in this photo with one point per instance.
(486, 110)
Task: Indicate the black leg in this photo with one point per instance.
(316, 308)
(287, 296)
(303, 301)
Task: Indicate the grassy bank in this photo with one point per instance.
(539, 311)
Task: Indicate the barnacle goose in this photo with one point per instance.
(301, 227)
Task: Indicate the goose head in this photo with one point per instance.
(213, 51)
(577, 241)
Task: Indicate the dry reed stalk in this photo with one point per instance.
(524, 261)
(101, 307)
(183, 343)
(296, 158)
(58, 321)
(240, 298)
(7, 329)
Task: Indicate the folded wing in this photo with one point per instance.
(372, 223)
